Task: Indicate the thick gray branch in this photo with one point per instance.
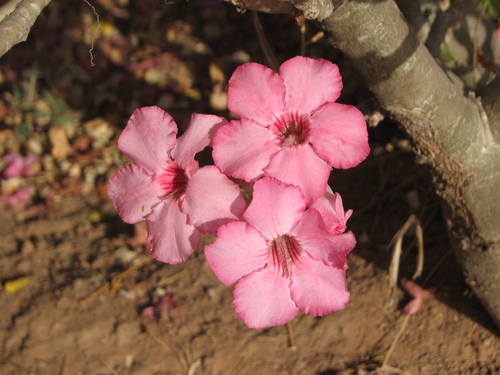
(451, 130)
(402, 74)
(16, 26)
(266, 6)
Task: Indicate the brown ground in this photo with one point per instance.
(80, 312)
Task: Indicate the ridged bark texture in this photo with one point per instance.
(16, 26)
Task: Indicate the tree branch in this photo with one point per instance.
(449, 129)
(16, 26)
(266, 6)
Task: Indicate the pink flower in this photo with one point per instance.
(418, 293)
(289, 127)
(18, 200)
(19, 166)
(331, 209)
(178, 199)
(284, 257)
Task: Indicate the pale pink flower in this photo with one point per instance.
(166, 187)
(18, 200)
(331, 209)
(284, 257)
(418, 293)
(19, 166)
(290, 127)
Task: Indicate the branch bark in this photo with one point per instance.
(16, 26)
(452, 131)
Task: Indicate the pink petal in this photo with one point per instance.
(133, 192)
(20, 199)
(212, 200)
(172, 239)
(238, 250)
(197, 136)
(299, 165)
(320, 243)
(332, 210)
(276, 207)
(310, 83)
(412, 307)
(18, 165)
(339, 135)
(256, 92)
(318, 289)
(262, 299)
(149, 138)
(242, 149)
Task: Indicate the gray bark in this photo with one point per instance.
(451, 131)
(16, 26)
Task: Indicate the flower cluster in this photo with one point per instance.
(286, 249)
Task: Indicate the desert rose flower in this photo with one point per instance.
(166, 186)
(290, 127)
(331, 209)
(283, 257)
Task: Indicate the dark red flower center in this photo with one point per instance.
(293, 129)
(173, 181)
(285, 249)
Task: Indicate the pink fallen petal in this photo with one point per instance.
(299, 165)
(140, 235)
(19, 200)
(212, 199)
(18, 165)
(339, 135)
(197, 136)
(318, 289)
(262, 299)
(256, 92)
(172, 239)
(239, 250)
(412, 307)
(133, 192)
(310, 83)
(332, 210)
(418, 293)
(149, 313)
(149, 138)
(242, 149)
(276, 207)
(320, 243)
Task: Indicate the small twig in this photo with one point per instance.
(443, 22)
(264, 43)
(291, 337)
(112, 285)
(303, 39)
(108, 367)
(436, 266)
(397, 249)
(395, 341)
(194, 366)
(473, 39)
(183, 359)
(95, 33)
